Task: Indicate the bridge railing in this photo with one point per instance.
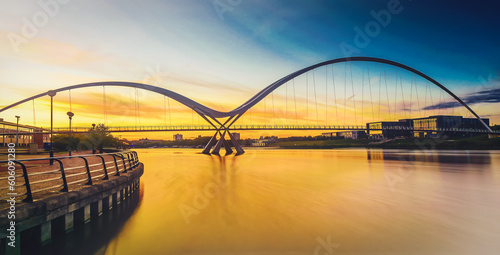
(38, 177)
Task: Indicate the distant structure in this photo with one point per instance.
(399, 129)
(346, 134)
(385, 130)
(236, 136)
(265, 141)
(352, 134)
(177, 137)
(24, 140)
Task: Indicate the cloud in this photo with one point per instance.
(485, 96)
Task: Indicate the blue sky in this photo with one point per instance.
(205, 53)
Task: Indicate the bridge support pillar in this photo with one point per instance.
(46, 232)
(222, 142)
(118, 198)
(96, 209)
(209, 145)
(69, 222)
(83, 215)
(9, 250)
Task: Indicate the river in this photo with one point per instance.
(352, 201)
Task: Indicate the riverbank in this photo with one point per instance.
(471, 143)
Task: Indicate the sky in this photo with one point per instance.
(222, 52)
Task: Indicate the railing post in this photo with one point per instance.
(129, 161)
(29, 197)
(124, 164)
(63, 175)
(136, 159)
(88, 171)
(104, 167)
(116, 165)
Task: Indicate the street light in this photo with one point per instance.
(70, 115)
(51, 94)
(17, 130)
(93, 145)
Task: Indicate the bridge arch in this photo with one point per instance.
(269, 89)
(223, 128)
(197, 107)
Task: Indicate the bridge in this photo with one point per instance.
(128, 129)
(396, 99)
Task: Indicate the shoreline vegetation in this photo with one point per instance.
(99, 138)
(470, 143)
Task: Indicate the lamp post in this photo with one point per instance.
(93, 145)
(70, 115)
(17, 130)
(51, 94)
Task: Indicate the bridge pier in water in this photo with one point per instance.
(217, 144)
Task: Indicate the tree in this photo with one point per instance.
(97, 138)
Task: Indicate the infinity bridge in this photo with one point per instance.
(128, 129)
(224, 122)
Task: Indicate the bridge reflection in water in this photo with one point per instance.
(295, 201)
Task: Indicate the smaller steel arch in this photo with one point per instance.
(197, 107)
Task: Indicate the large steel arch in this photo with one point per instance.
(269, 89)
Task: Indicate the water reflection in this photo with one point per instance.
(453, 157)
(314, 202)
(90, 238)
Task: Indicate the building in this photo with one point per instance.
(329, 134)
(236, 136)
(9, 129)
(389, 129)
(435, 126)
(351, 134)
(265, 141)
(177, 137)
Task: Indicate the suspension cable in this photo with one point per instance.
(396, 94)
(425, 101)
(411, 95)
(418, 98)
(315, 98)
(335, 97)
(34, 118)
(345, 91)
(164, 110)
(402, 95)
(432, 101)
(380, 93)
(272, 100)
(387, 93)
(286, 103)
(135, 106)
(265, 110)
(326, 95)
(138, 107)
(70, 101)
(362, 93)
(371, 94)
(307, 100)
(295, 100)
(169, 112)
(105, 105)
(353, 95)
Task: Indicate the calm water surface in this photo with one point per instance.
(315, 202)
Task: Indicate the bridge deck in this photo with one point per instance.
(248, 127)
